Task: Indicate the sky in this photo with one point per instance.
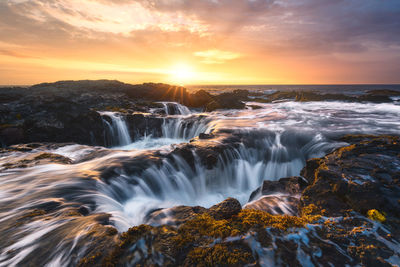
(201, 41)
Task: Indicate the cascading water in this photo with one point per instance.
(117, 129)
(172, 108)
(237, 173)
(176, 129)
(60, 204)
(184, 129)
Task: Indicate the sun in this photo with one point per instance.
(181, 73)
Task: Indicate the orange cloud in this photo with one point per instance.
(215, 56)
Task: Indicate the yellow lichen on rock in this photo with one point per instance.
(376, 215)
(219, 255)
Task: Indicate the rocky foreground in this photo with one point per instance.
(343, 209)
(348, 213)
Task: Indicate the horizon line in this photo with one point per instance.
(211, 84)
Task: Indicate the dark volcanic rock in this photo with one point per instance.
(314, 96)
(233, 100)
(278, 197)
(158, 92)
(66, 111)
(290, 186)
(275, 204)
(200, 99)
(174, 216)
(226, 209)
(33, 159)
(347, 184)
(379, 96)
(181, 214)
(360, 177)
(140, 125)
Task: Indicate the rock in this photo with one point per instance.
(360, 177)
(174, 216)
(84, 210)
(254, 107)
(158, 92)
(140, 125)
(305, 96)
(200, 99)
(66, 111)
(289, 186)
(379, 96)
(10, 134)
(227, 101)
(275, 204)
(33, 159)
(205, 136)
(278, 197)
(224, 234)
(225, 209)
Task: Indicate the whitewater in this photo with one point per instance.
(139, 174)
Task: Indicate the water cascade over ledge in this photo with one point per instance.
(192, 159)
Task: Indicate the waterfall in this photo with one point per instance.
(179, 128)
(174, 130)
(172, 108)
(117, 129)
(238, 172)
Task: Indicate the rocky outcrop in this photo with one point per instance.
(231, 100)
(66, 111)
(289, 186)
(359, 177)
(376, 96)
(278, 197)
(347, 215)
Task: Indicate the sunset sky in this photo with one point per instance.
(201, 41)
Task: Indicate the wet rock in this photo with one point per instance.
(290, 186)
(174, 216)
(315, 96)
(225, 209)
(205, 136)
(66, 111)
(359, 177)
(49, 206)
(102, 218)
(11, 134)
(25, 147)
(254, 107)
(140, 125)
(275, 204)
(227, 235)
(278, 197)
(33, 159)
(379, 96)
(84, 210)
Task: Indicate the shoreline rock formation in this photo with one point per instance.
(344, 218)
(66, 111)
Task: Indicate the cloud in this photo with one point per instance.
(10, 53)
(215, 56)
(142, 33)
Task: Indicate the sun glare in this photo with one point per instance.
(181, 73)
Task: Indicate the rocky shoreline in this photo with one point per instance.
(67, 111)
(348, 213)
(341, 209)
